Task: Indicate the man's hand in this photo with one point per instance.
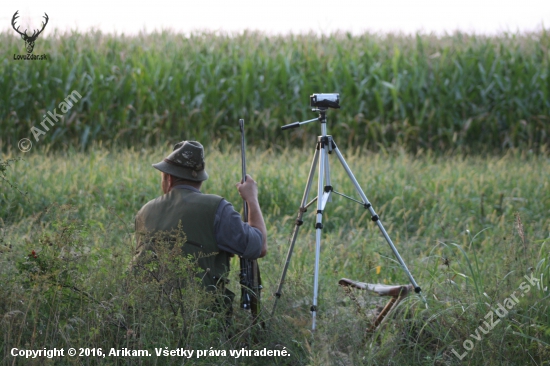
(249, 192)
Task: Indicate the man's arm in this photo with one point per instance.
(235, 236)
(249, 192)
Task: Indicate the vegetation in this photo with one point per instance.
(458, 92)
(470, 229)
(448, 137)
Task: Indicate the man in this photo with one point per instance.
(214, 230)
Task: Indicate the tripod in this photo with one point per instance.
(325, 146)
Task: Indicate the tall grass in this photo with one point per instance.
(469, 229)
(458, 91)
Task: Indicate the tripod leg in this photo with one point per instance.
(375, 217)
(323, 196)
(299, 222)
(327, 167)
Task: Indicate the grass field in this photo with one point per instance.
(469, 227)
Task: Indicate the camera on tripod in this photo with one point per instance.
(324, 148)
(325, 100)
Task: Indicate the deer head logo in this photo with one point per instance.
(29, 40)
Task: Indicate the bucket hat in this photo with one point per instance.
(186, 161)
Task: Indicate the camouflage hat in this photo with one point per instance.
(186, 162)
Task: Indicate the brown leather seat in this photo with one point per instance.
(382, 290)
(397, 293)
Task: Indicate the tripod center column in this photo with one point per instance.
(323, 120)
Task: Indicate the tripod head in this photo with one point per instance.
(321, 103)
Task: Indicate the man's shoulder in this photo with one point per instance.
(168, 199)
(155, 202)
(212, 197)
(202, 197)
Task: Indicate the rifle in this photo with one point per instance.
(251, 283)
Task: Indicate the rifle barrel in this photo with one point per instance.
(243, 168)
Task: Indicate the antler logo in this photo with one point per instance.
(29, 40)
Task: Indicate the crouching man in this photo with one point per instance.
(214, 230)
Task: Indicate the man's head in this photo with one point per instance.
(184, 165)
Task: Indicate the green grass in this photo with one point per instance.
(487, 216)
(456, 92)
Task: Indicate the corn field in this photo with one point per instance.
(457, 92)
